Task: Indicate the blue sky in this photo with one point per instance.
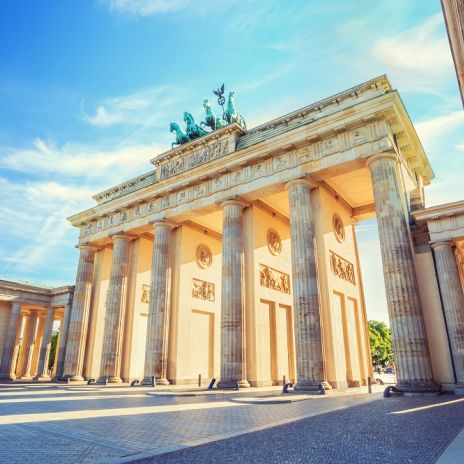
(88, 88)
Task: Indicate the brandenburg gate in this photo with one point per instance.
(235, 256)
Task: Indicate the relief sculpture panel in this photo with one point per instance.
(342, 268)
(276, 280)
(203, 290)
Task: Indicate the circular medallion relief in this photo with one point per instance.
(204, 256)
(339, 228)
(273, 242)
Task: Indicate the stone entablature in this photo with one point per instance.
(444, 222)
(313, 148)
(34, 295)
(126, 187)
(191, 155)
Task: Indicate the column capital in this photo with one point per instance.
(164, 223)
(86, 247)
(233, 201)
(390, 154)
(301, 181)
(16, 303)
(121, 236)
(444, 244)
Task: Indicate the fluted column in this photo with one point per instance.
(42, 369)
(306, 306)
(77, 334)
(233, 366)
(63, 340)
(115, 310)
(28, 344)
(12, 335)
(414, 371)
(156, 349)
(453, 305)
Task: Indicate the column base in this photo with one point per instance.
(112, 379)
(308, 385)
(417, 389)
(26, 377)
(161, 381)
(75, 378)
(43, 378)
(228, 383)
(459, 390)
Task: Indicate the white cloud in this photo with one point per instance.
(419, 58)
(52, 183)
(79, 161)
(145, 107)
(432, 132)
(144, 7)
(32, 216)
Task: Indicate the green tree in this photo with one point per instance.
(380, 341)
(51, 359)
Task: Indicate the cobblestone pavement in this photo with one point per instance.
(388, 431)
(121, 424)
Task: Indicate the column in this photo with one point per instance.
(453, 305)
(10, 347)
(28, 344)
(42, 369)
(115, 310)
(156, 349)
(63, 340)
(414, 371)
(77, 334)
(37, 344)
(57, 351)
(306, 306)
(233, 365)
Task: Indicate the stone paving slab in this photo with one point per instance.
(389, 431)
(116, 425)
(110, 425)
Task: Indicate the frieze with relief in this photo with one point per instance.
(342, 268)
(202, 290)
(313, 152)
(273, 279)
(194, 159)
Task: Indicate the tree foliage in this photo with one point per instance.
(381, 346)
(51, 359)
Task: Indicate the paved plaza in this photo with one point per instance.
(84, 424)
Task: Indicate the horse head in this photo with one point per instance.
(174, 127)
(188, 118)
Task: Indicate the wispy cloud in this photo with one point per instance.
(419, 57)
(82, 162)
(143, 7)
(432, 132)
(144, 107)
(40, 207)
(51, 183)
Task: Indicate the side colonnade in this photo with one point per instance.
(28, 341)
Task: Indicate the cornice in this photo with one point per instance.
(439, 212)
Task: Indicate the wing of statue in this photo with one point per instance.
(222, 88)
(216, 92)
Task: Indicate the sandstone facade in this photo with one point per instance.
(236, 258)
